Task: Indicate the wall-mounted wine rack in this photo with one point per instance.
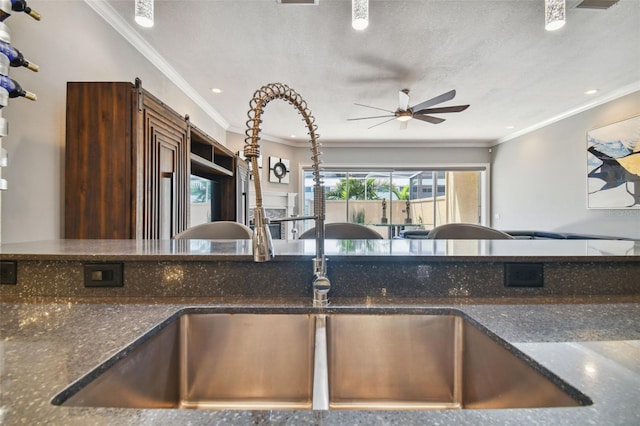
(11, 57)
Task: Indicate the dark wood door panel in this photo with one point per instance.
(128, 164)
(98, 176)
(165, 173)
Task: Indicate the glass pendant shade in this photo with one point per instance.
(554, 14)
(144, 13)
(359, 14)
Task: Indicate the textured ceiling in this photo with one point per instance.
(496, 54)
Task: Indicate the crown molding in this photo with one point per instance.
(269, 138)
(368, 143)
(623, 91)
(389, 143)
(106, 12)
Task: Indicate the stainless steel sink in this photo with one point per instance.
(211, 359)
(432, 362)
(219, 361)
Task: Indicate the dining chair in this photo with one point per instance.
(343, 231)
(466, 231)
(220, 230)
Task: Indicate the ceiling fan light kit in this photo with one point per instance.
(554, 14)
(421, 111)
(144, 13)
(359, 14)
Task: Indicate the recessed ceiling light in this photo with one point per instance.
(216, 90)
(511, 127)
(293, 136)
(591, 92)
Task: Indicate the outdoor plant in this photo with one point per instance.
(358, 216)
(402, 194)
(357, 189)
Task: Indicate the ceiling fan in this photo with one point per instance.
(420, 111)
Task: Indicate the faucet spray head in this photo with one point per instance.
(262, 242)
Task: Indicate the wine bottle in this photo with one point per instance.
(16, 59)
(21, 6)
(5, 9)
(14, 89)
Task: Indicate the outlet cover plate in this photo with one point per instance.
(8, 272)
(523, 274)
(103, 275)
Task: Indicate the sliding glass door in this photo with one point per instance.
(394, 200)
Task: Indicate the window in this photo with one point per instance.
(400, 198)
(201, 196)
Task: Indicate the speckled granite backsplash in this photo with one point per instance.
(354, 278)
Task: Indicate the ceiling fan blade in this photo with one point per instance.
(386, 121)
(456, 108)
(403, 99)
(429, 119)
(403, 125)
(433, 101)
(367, 118)
(368, 106)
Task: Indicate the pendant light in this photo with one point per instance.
(144, 13)
(554, 14)
(359, 14)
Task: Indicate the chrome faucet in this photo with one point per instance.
(262, 242)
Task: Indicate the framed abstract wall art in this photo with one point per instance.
(613, 166)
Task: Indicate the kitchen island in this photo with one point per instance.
(583, 326)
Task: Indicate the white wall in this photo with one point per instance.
(398, 156)
(235, 142)
(356, 156)
(33, 207)
(539, 179)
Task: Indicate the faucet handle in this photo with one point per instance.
(321, 287)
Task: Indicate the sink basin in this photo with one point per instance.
(211, 359)
(215, 361)
(432, 362)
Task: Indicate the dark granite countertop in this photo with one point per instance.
(583, 325)
(356, 268)
(592, 343)
(375, 250)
